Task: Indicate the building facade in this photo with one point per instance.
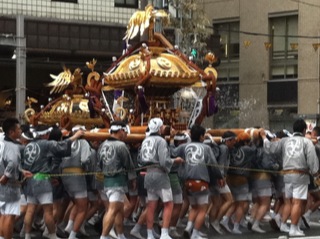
(269, 71)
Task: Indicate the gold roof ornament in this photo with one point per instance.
(61, 81)
(142, 20)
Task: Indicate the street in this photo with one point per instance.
(312, 233)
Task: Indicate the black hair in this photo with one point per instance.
(196, 132)
(9, 124)
(55, 134)
(316, 129)
(280, 134)
(299, 126)
(41, 127)
(25, 128)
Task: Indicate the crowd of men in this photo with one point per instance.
(59, 182)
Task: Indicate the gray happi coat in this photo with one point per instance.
(298, 153)
(37, 158)
(155, 155)
(80, 155)
(116, 162)
(10, 158)
(200, 162)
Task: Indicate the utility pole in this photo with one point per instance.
(20, 67)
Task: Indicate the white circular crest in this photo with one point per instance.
(31, 153)
(107, 154)
(148, 151)
(238, 158)
(293, 148)
(194, 154)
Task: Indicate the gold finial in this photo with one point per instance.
(211, 58)
(91, 64)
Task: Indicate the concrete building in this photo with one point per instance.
(269, 71)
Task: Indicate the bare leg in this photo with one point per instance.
(28, 218)
(296, 210)
(167, 212)
(286, 210)
(7, 222)
(227, 202)
(109, 217)
(200, 216)
(151, 207)
(81, 205)
(48, 218)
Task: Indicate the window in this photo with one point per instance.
(226, 35)
(126, 3)
(229, 40)
(284, 63)
(282, 92)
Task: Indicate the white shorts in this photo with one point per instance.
(43, 198)
(164, 194)
(199, 199)
(78, 195)
(115, 194)
(297, 191)
(10, 208)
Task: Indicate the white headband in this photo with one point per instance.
(270, 135)
(119, 127)
(127, 129)
(286, 132)
(229, 138)
(77, 128)
(36, 134)
(26, 137)
(180, 137)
